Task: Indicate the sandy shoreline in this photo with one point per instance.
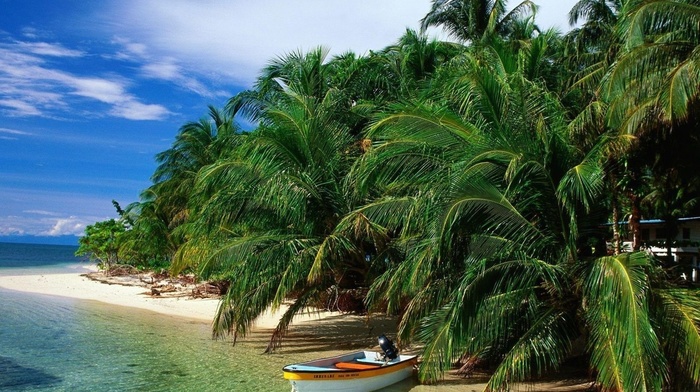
(77, 285)
(331, 333)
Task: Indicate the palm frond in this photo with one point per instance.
(677, 313)
(625, 350)
(542, 348)
(283, 325)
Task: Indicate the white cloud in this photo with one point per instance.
(14, 132)
(35, 89)
(10, 230)
(20, 107)
(30, 32)
(43, 226)
(132, 51)
(133, 110)
(165, 68)
(56, 212)
(41, 212)
(47, 49)
(67, 226)
(103, 90)
(34, 94)
(235, 39)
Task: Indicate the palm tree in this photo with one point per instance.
(306, 74)
(149, 241)
(266, 215)
(652, 88)
(596, 38)
(474, 20)
(591, 49)
(413, 60)
(165, 205)
(197, 145)
(491, 210)
(659, 69)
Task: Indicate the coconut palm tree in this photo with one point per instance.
(474, 20)
(659, 69)
(591, 49)
(266, 215)
(596, 38)
(652, 88)
(306, 74)
(197, 145)
(413, 60)
(165, 205)
(149, 241)
(491, 211)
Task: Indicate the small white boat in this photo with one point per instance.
(360, 371)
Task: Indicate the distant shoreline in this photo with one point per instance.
(65, 240)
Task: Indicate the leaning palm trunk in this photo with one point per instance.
(671, 233)
(615, 224)
(634, 224)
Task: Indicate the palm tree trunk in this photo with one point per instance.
(616, 227)
(671, 233)
(634, 224)
(616, 220)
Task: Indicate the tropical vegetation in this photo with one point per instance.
(462, 186)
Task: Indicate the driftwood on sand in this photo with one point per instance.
(159, 284)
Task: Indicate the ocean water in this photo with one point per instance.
(58, 344)
(28, 258)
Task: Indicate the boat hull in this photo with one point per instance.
(320, 376)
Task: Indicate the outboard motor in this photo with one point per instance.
(388, 347)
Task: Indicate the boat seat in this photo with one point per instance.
(356, 366)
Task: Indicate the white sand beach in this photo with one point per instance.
(132, 294)
(76, 285)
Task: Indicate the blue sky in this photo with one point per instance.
(90, 91)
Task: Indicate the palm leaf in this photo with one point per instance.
(543, 347)
(624, 348)
(677, 312)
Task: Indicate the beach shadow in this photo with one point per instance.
(342, 333)
(332, 333)
(16, 377)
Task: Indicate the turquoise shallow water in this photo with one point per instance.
(55, 344)
(59, 344)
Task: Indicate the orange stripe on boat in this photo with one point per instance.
(347, 374)
(355, 366)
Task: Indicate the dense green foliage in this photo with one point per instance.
(102, 242)
(460, 186)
